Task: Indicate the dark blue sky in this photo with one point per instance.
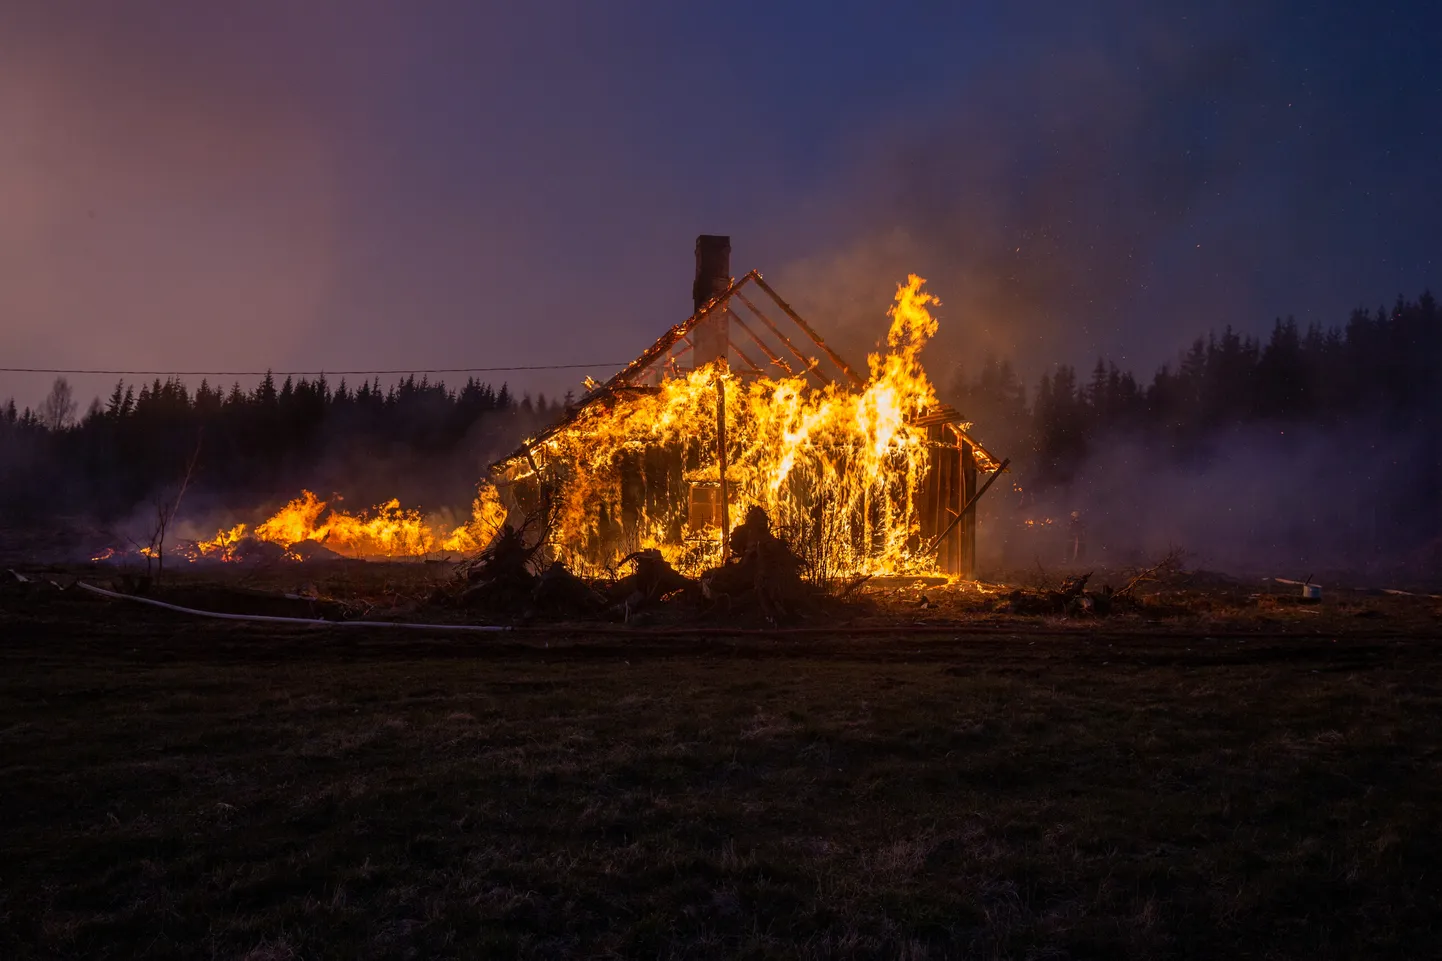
(358, 185)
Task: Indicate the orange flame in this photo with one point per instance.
(839, 464)
(222, 546)
(387, 530)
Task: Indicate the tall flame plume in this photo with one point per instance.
(836, 467)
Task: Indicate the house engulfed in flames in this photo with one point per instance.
(743, 404)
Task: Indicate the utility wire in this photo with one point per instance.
(290, 373)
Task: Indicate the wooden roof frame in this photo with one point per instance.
(625, 379)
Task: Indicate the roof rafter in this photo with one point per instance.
(809, 365)
(625, 378)
(771, 355)
(815, 337)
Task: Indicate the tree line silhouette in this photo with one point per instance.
(430, 439)
(1382, 364)
(1383, 367)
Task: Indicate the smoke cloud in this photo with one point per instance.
(1352, 500)
(1117, 181)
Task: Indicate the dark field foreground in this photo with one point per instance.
(182, 789)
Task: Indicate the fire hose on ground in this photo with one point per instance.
(299, 621)
(953, 628)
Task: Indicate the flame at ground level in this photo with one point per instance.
(387, 530)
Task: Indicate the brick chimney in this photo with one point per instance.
(713, 275)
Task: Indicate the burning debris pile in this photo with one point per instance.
(761, 565)
(761, 576)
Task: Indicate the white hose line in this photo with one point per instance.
(301, 621)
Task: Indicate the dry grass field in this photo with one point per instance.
(176, 788)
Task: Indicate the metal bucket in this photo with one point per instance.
(1311, 592)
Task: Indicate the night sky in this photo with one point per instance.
(359, 185)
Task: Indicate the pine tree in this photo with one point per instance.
(116, 401)
(265, 393)
(1096, 393)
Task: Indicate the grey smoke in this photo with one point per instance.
(1345, 500)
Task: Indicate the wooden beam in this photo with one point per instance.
(771, 355)
(810, 366)
(971, 502)
(987, 459)
(656, 350)
(721, 460)
(652, 354)
(742, 354)
(671, 358)
(805, 327)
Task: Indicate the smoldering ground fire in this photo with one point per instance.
(742, 405)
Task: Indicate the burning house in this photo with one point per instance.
(744, 405)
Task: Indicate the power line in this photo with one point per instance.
(294, 373)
